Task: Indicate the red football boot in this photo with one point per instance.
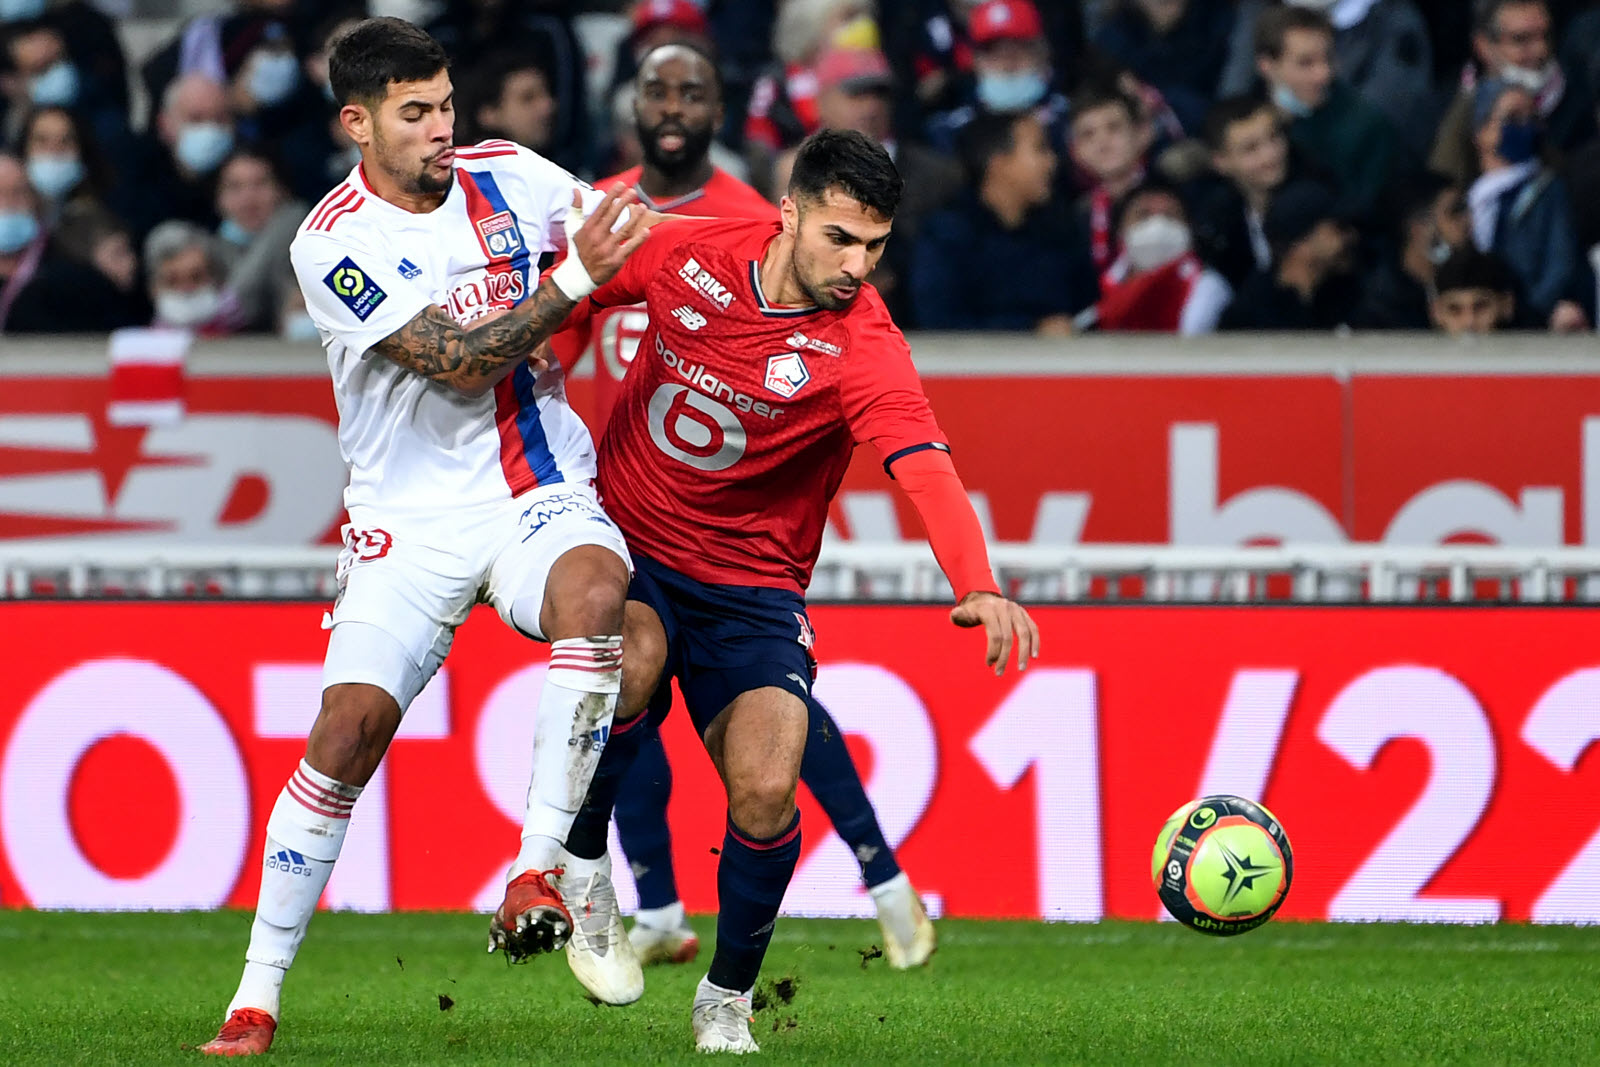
(248, 1032)
(532, 919)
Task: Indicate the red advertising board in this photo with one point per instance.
(1190, 459)
(1428, 763)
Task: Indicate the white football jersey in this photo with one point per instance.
(367, 268)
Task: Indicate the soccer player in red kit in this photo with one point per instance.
(767, 359)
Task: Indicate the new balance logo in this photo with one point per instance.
(593, 741)
(289, 863)
(692, 320)
(409, 270)
(702, 280)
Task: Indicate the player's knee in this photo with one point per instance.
(585, 595)
(352, 732)
(644, 658)
(761, 804)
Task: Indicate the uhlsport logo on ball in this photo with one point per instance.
(1222, 865)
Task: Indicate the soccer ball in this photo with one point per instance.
(1222, 865)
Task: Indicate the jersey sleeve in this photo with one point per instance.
(629, 284)
(881, 395)
(352, 292)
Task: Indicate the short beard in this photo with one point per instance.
(697, 145)
(415, 183)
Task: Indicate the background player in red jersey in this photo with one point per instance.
(677, 107)
(767, 359)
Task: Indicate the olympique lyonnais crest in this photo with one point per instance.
(786, 374)
(500, 234)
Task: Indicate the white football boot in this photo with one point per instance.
(599, 952)
(908, 936)
(663, 935)
(721, 1019)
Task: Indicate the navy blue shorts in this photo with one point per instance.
(723, 640)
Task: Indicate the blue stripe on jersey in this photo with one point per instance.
(534, 446)
(497, 203)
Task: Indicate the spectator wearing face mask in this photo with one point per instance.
(185, 270)
(1431, 224)
(63, 164)
(1475, 294)
(1157, 284)
(22, 243)
(1110, 138)
(1512, 42)
(190, 137)
(1308, 286)
(941, 49)
(1520, 208)
(1326, 120)
(1003, 256)
(64, 56)
(1012, 73)
(1177, 46)
(258, 223)
(319, 154)
(1382, 50)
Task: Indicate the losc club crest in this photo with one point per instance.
(786, 374)
(501, 237)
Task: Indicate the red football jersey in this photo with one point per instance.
(737, 419)
(613, 335)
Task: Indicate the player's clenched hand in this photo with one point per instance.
(601, 251)
(1005, 622)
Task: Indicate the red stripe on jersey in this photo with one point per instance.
(331, 202)
(342, 212)
(513, 457)
(484, 153)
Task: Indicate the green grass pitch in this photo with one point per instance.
(137, 989)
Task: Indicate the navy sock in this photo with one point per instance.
(587, 838)
(642, 823)
(751, 878)
(831, 775)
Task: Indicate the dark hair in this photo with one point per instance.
(1412, 199)
(989, 134)
(485, 85)
(260, 152)
(1468, 268)
(1097, 95)
(96, 171)
(1226, 113)
(82, 226)
(1485, 13)
(698, 50)
(1272, 29)
(1152, 185)
(366, 58)
(851, 162)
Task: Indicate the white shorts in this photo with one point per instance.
(415, 578)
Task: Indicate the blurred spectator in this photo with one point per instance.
(320, 154)
(941, 49)
(63, 165)
(1109, 141)
(1520, 208)
(783, 102)
(541, 30)
(855, 91)
(258, 223)
(190, 137)
(1432, 224)
(1249, 150)
(68, 58)
(184, 267)
(1003, 256)
(1157, 284)
(1307, 286)
(654, 23)
(507, 96)
(1512, 42)
(1382, 50)
(1012, 73)
(1327, 121)
(22, 244)
(1177, 46)
(293, 322)
(108, 294)
(1475, 294)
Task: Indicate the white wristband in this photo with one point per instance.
(572, 277)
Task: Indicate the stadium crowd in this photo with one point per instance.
(1176, 166)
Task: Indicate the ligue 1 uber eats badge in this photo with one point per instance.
(1222, 865)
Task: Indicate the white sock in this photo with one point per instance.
(304, 835)
(570, 730)
(668, 918)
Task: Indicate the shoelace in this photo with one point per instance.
(579, 933)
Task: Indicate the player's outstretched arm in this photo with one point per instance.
(471, 361)
(1007, 624)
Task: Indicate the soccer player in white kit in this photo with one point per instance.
(470, 479)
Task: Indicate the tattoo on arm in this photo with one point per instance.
(473, 360)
